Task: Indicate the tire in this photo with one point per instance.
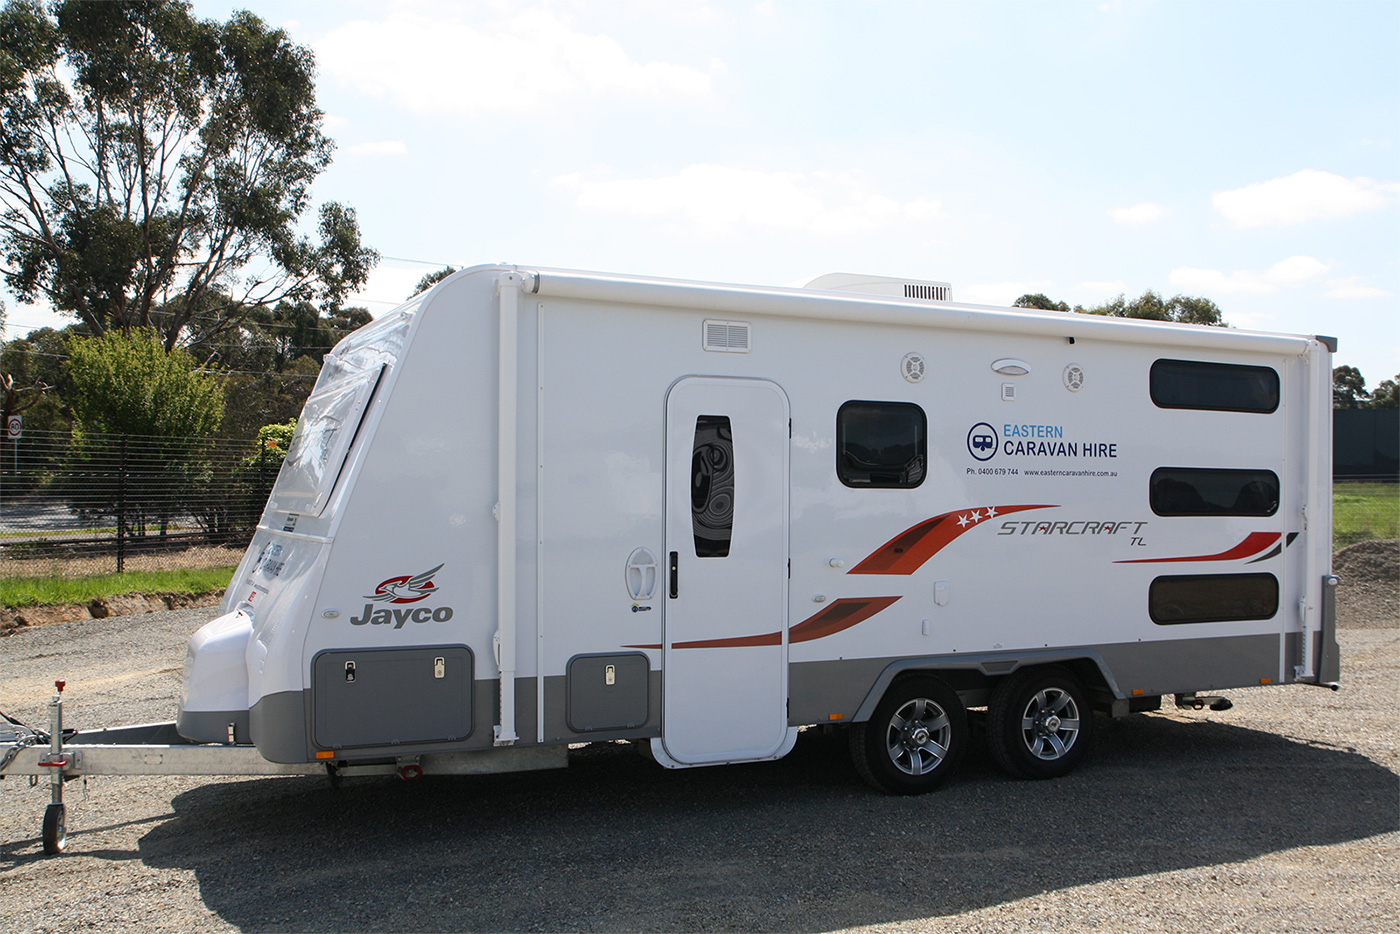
(55, 829)
(915, 740)
(1039, 723)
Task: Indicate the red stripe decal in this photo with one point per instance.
(737, 642)
(1253, 543)
(840, 616)
(910, 549)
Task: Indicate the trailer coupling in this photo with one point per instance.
(157, 749)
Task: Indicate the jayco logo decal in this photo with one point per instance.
(405, 588)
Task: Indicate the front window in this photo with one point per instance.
(332, 415)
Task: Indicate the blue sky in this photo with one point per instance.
(1247, 152)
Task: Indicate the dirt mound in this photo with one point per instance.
(1369, 595)
(14, 621)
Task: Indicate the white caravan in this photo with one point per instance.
(534, 507)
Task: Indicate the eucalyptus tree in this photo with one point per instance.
(155, 169)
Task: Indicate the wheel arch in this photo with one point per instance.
(973, 674)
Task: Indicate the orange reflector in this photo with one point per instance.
(1137, 692)
(1266, 680)
(836, 716)
(325, 754)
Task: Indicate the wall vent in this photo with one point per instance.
(727, 336)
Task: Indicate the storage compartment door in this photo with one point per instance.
(389, 697)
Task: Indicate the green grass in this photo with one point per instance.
(43, 591)
(1362, 511)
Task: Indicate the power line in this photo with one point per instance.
(403, 259)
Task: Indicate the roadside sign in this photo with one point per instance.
(14, 426)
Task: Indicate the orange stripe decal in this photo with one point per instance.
(1253, 543)
(840, 616)
(910, 549)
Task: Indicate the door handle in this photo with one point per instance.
(675, 573)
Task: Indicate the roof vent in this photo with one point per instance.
(921, 289)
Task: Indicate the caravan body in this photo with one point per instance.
(532, 508)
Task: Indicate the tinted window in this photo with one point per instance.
(712, 486)
(1224, 387)
(881, 444)
(1193, 491)
(1212, 598)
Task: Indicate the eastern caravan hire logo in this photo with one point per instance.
(1021, 440)
(405, 588)
(982, 441)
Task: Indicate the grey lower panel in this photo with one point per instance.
(281, 726)
(1183, 665)
(849, 689)
(153, 734)
(557, 713)
(211, 726)
(819, 691)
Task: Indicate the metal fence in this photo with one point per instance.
(1364, 511)
(84, 504)
(76, 506)
(1366, 444)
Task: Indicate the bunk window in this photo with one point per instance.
(1221, 387)
(712, 486)
(881, 444)
(1212, 598)
(1197, 491)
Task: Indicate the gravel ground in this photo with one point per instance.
(1281, 814)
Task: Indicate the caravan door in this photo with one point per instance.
(724, 656)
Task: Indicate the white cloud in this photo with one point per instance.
(460, 60)
(388, 147)
(713, 200)
(1116, 287)
(1001, 293)
(1303, 196)
(699, 12)
(389, 285)
(1352, 288)
(1139, 214)
(1285, 274)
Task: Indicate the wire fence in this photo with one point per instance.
(1364, 510)
(88, 504)
(84, 504)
